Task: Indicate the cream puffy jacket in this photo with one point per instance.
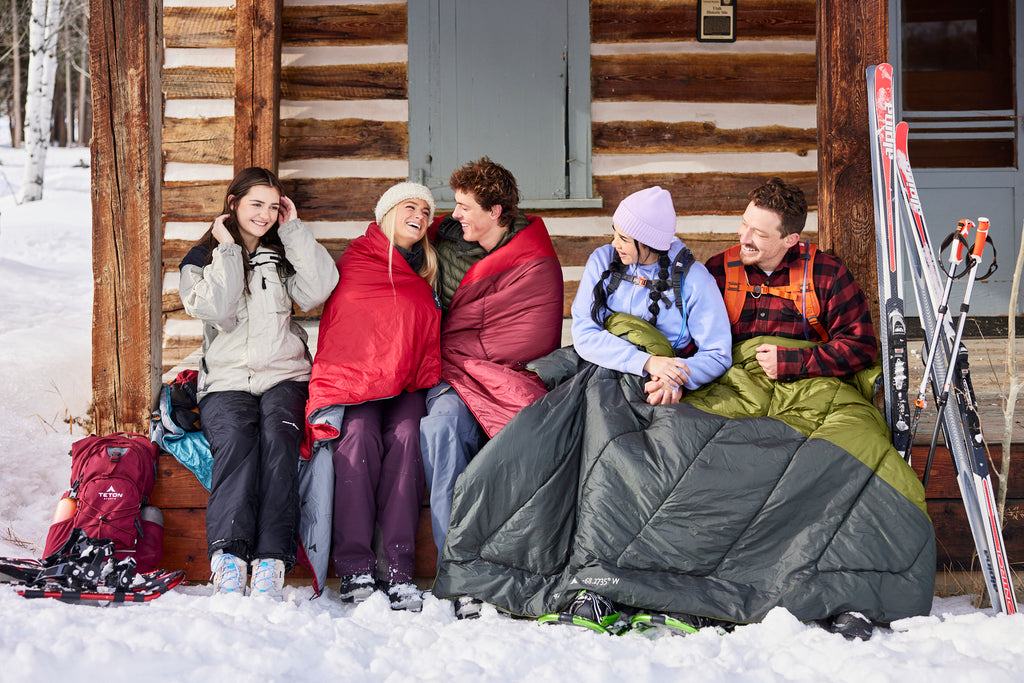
(250, 342)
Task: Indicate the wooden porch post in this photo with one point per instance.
(850, 37)
(257, 82)
(125, 71)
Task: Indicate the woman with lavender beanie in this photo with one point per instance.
(638, 274)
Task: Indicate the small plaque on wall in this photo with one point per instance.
(716, 21)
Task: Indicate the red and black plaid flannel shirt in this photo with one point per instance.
(852, 344)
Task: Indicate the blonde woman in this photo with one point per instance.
(378, 350)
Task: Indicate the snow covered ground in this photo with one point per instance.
(45, 314)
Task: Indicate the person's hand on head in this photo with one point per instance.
(288, 211)
(220, 231)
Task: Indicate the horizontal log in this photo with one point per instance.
(313, 25)
(345, 82)
(348, 138)
(176, 486)
(199, 141)
(199, 83)
(942, 481)
(703, 193)
(176, 350)
(614, 21)
(954, 543)
(345, 25)
(210, 140)
(170, 301)
(199, 27)
(340, 199)
(656, 137)
(317, 199)
(733, 77)
(334, 82)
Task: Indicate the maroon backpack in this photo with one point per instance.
(111, 480)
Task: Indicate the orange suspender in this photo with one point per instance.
(800, 289)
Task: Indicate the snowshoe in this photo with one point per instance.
(657, 623)
(467, 608)
(143, 588)
(85, 570)
(588, 610)
(405, 596)
(19, 571)
(356, 588)
(677, 624)
(850, 625)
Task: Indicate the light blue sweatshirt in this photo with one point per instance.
(706, 324)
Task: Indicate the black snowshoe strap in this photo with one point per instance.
(84, 563)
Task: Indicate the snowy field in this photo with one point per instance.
(46, 294)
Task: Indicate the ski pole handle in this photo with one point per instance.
(964, 226)
(979, 238)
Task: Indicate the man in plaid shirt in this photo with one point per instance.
(769, 246)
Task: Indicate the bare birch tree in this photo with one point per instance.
(42, 70)
(1010, 400)
(16, 121)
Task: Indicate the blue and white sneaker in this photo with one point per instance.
(267, 578)
(229, 573)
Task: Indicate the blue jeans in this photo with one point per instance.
(449, 438)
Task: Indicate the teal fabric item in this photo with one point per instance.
(191, 449)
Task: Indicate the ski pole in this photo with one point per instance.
(959, 239)
(942, 399)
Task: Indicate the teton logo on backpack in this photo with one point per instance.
(111, 493)
(111, 480)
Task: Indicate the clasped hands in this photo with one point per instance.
(667, 378)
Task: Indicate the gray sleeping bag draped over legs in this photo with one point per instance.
(693, 507)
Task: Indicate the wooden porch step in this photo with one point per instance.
(183, 501)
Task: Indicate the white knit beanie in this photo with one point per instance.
(396, 194)
(648, 216)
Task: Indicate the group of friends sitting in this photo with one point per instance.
(437, 333)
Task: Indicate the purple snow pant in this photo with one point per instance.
(378, 480)
(253, 510)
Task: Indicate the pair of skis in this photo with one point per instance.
(947, 368)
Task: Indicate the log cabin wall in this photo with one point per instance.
(706, 121)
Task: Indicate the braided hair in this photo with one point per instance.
(600, 303)
(660, 285)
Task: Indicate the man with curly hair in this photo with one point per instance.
(774, 284)
(500, 289)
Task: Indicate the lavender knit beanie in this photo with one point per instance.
(647, 216)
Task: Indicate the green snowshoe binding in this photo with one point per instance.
(588, 610)
(652, 623)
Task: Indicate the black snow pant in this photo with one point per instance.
(253, 511)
